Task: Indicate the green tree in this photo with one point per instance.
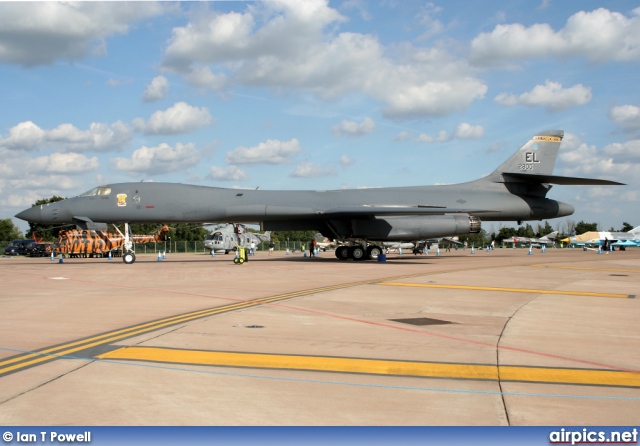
(505, 233)
(583, 227)
(9, 231)
(46, 232)
(302, 236)
(548, 229)
(626, 227)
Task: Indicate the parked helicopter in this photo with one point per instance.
(232, 235)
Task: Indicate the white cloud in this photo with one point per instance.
(346, 161)
(425, 137)
(350, 128)
(231, 173)
(100, 137)
(36, 33)
(464, 131)
(627, 151)
(582, 160)
(156, 90)
(272, 151)
(62, 163)
(160, 159)
(179, 118)
(24, 136)
(599, 35)
(309, 170)
(626, 116)
(551, 95)
(468, 131)
(255, 48)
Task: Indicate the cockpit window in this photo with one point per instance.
(100, 190)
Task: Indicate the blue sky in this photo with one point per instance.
(317, 95)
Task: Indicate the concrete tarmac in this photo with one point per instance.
(489, 338)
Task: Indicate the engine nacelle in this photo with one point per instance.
(415, 227)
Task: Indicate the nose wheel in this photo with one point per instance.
(129, 257)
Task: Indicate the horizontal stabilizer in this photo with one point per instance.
(555, 179)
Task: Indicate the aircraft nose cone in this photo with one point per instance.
(31, 214)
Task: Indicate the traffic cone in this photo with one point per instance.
(60, 261)
(213, 253)
(164, 254)
(438, 251)
(599, 249)
(159, 256)
(110, 257)
(543, 248)
(52, 256)
(473, 251)
(399, 250)
(530, 250)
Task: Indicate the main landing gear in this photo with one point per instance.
(358, 252)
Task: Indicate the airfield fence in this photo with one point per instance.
(196, 246)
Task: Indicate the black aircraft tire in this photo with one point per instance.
(129, 257)
(358, 253)
(373, 252)
(342, 252)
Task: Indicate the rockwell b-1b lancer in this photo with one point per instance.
(515, 191)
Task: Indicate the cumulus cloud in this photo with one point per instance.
(599, 35)
(156, 90)
(468, 131)
(40, 33)
(179, 118)
(309, 170)
(24, 136)
(346, 161)
(626, 116)
(272, 151)
(100, 137)
(464, 131)
(159, 159)
(351, 128)
(231, 173)
(582, 160)
(62, 163)
(255, 48)
(551, 95)
(626, 151)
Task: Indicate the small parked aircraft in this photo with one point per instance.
(229, 237)
(549, 239)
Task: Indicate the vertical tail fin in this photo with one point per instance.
(536, 157)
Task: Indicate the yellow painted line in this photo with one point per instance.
(46, 354)
(313, 363)
(510, 290)
(377, 367)
(617, 270)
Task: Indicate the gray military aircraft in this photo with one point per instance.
(515, 191)
(549, 239)
(232, 235)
